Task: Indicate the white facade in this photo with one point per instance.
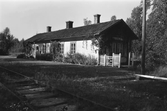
(84, 47)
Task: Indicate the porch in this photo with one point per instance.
(116, 60)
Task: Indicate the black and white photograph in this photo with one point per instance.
(83, 55)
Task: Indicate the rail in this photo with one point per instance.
(76, 96)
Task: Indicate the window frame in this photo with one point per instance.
(61, 48)
(73, 47)
(86, 42)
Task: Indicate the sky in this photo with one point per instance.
(26, 18)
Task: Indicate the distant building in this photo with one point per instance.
(79, 39)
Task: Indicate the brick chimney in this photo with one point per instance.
(69, 24)
(97, 18)
(48, 29)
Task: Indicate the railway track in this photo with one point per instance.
(36, 97)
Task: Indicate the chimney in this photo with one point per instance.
(97, 18)
(48, 29)
(69, 24)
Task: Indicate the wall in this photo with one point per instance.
(83, 47)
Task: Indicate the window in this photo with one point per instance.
(44, 48)
(73, 48)
(37, 48)
(86, 44)
(47, 48)
(62, 48)
(92, 48)
(41, 48)
(83, 44)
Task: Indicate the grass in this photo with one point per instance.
(122, 95)
(9, 102)
(160, 71)
(111, 87)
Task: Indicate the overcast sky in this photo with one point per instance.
(25, 18)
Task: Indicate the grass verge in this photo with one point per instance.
(111, 87)
(160, 71)
(121, 95)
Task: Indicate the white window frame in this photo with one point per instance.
(73, 47)
(83, 44)
(62, 48)
(86, 42)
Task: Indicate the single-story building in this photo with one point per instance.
(116, 36)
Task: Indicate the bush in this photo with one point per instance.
(22, 56)
(31, 57)
(80, 59)
(2, 52)
(160, 71)
(69, 58)
(91, 61)
(59, 58)
(47, 57)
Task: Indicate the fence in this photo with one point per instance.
(114, 60)
(133, 58)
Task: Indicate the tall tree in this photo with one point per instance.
(113, 18)
(3, 49)
(135, 23)
(157, 34)
(6, 41)
(18, 46)
(9, 44)
(55, 48)
(87, 22)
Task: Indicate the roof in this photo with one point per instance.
(77, 33)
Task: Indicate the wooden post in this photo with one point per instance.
(34, 51)
(129, 59)
(133, 56)
(143, 37)
(45, 48)
(119, 66)
(104, 59)
(63, 58)
(98, 57)
(112, 59)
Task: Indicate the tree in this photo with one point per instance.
(135, 23)
(6, 41)
(2, 44)
(9, 44)
(87, 22)
(21, 46)
(113, 18)
(157, 34)
(27, 48)
(55, 49)
(18, 46)
(156, 38)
